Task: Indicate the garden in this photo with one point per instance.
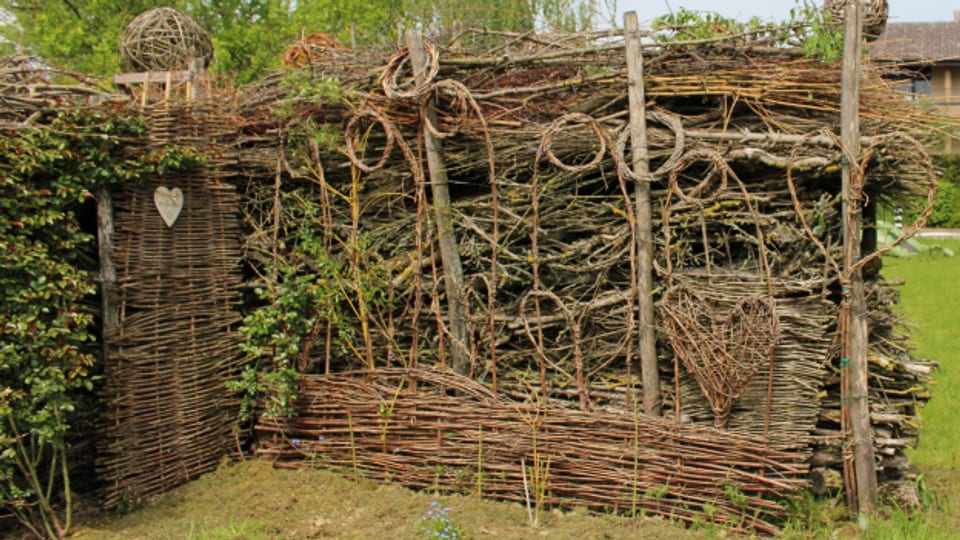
(618, 281)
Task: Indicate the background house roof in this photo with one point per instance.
(927, 41)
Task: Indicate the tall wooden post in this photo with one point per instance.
(439, 188)
(857, 334)
(108, 272)
(641, 168)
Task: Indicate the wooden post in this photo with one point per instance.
(146, 89)
(439, 188)
(167, 88)
(108, 272)
(194, 71)
(857, 334)
(641, 167)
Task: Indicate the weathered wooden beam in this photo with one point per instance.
(443, 210)
(644, 219)
(109, 311)
(856, 367)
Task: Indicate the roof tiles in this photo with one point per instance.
(925, 42)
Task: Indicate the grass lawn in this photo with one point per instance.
(930, 298)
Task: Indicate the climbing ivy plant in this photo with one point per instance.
(304, 294)
(48, 172)
(322, 286)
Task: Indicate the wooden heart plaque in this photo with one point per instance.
(169, 203)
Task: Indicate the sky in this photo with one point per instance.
(779, 10)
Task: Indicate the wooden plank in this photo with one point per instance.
(644, 228)
(439, 188)
(856, 345)
(146, 90)
(153, 76)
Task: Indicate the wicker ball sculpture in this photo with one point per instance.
(163, 39)
(874, 15)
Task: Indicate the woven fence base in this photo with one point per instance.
(430, 429)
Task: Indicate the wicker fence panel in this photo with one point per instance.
(169, 416)
(426, 428)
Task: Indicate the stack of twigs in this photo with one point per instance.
(898, 390)
(746, 202)
(429, 429)
(29, 86)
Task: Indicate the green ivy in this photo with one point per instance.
(688, 25)
(320, 281)
(49, 172)
(824, 39)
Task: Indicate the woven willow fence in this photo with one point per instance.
(746, 238)
(533, 129)
(169, 417)
(454, 434)
(746, 227)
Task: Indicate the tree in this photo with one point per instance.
(77, 34)
(251, 35)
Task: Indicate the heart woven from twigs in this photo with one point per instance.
(722, 356)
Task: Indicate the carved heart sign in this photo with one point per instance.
(722, 356)
(169, 203)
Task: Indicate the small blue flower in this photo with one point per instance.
(296, 442)
(436, 523)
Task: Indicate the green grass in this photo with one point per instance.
(930, 298)
(246, 529)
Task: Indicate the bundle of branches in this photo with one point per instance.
(429, 429)
(28, 86)
(898, 390)
(746, 192)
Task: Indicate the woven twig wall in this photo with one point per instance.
(781, 404)
(169, 415)
(745, 212)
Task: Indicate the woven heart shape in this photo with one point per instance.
(169, 203)
(722, 356)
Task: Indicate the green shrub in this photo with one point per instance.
(49, 172)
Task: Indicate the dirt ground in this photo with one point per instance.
(252, 500)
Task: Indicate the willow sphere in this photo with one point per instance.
(163, 39)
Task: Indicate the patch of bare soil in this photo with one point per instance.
(252, 500)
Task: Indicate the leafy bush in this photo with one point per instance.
(50, 171)
(946, 210)
(807, 28)
(946, 206)
(320, 282)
